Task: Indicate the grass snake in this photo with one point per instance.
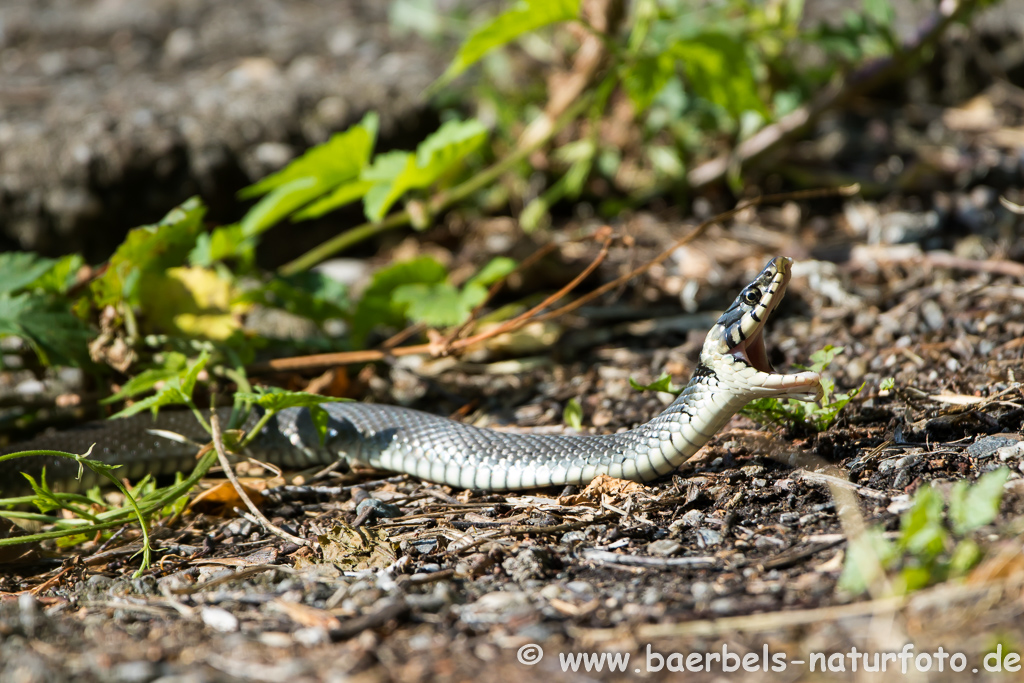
(733, 370)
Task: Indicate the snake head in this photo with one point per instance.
(734, 348)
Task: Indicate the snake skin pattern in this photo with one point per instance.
(733, 370)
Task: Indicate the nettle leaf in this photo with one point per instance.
(150, 248)
(177, 391)
(663, 383)
(972, 507)
(18, 269)
(525, 16)
(275, 399)
(717, 69)
(440, 152)
(376, 306)
(47, 325)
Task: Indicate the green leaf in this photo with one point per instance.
(339, 159)
(663, 383)
(440, 152)
(497, 268)
(525, 16)
(966, 554)
(188, 380)
(18, 269)
(173, 365)
(972, 507)
(573, 413)
(376, 307)
(922, 530)
(880, 11)
(439, 304)
(275, 399)
(345, 193)
(647, 78)
(866, 557)
(322, 169)
(61, 277)
(149, 249)
(308, 294)
(223, 243)
(171, 395)
(47, 325)
(281, 201)
(717, 69)
(177, 391)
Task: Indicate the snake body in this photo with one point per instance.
(733, 369)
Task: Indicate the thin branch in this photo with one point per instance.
(222, 456)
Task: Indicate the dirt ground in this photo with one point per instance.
(739, 553)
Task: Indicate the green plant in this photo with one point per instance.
(573, 413)
(793, 414)
(933, 542)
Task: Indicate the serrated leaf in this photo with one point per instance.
(972, 507)
(524, 17)
(276, 399)
(174, 364)
(177, 391)
(18, 269)
(717, 70)
(47, 325)
(168, 396)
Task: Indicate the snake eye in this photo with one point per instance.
(751, 296)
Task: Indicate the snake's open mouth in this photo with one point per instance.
(753, 351)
